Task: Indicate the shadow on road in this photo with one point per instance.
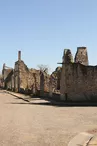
(49, 102)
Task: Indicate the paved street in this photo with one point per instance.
(41, 124)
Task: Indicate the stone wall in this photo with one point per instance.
(82, 56)
(1, 81)
(67, 56)
(12, 82)
(25, 78)
(55, 79)
(78, 81)
(44, 83)
(75, 80)
(8, 81)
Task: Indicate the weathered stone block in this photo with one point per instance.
(67, 56)
(82, 56)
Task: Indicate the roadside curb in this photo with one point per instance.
(82, 139)
(93, 141)
(27, 100)
(53, 102)
(16, 96)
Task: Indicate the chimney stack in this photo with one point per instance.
(19, 55)
(82, 56)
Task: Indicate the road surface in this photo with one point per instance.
(41, 124)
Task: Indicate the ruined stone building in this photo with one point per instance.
(25, 78)
(44, 83)
(78, 79)
(21, 78)
(74, 81)
(55, 79)
(1, 81)
(7, 76)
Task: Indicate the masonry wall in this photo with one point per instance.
(12, 82)
(8, 78)
(79, 82)
(26, 78)
(9, 83)
(44, 82)
(81, 56)
(55, 79)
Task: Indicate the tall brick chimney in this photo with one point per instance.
(19, 55)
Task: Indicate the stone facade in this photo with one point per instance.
(67, 56)
(21, 78)
(9, 80)
(78, 81)
(7, 77)
(1, 82)
(82, 56)
(44, 83)
(74, 80)
(55, 79)
(25, 78)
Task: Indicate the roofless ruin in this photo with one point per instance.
(74, 81)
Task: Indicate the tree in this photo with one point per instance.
(44, 68)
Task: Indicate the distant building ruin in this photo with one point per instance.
(78, 79)
(74, 81)
(25, 78)
(7, 77)
(21, 78)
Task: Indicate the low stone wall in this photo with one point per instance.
(55, 96)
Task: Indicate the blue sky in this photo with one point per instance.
(42, 29)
